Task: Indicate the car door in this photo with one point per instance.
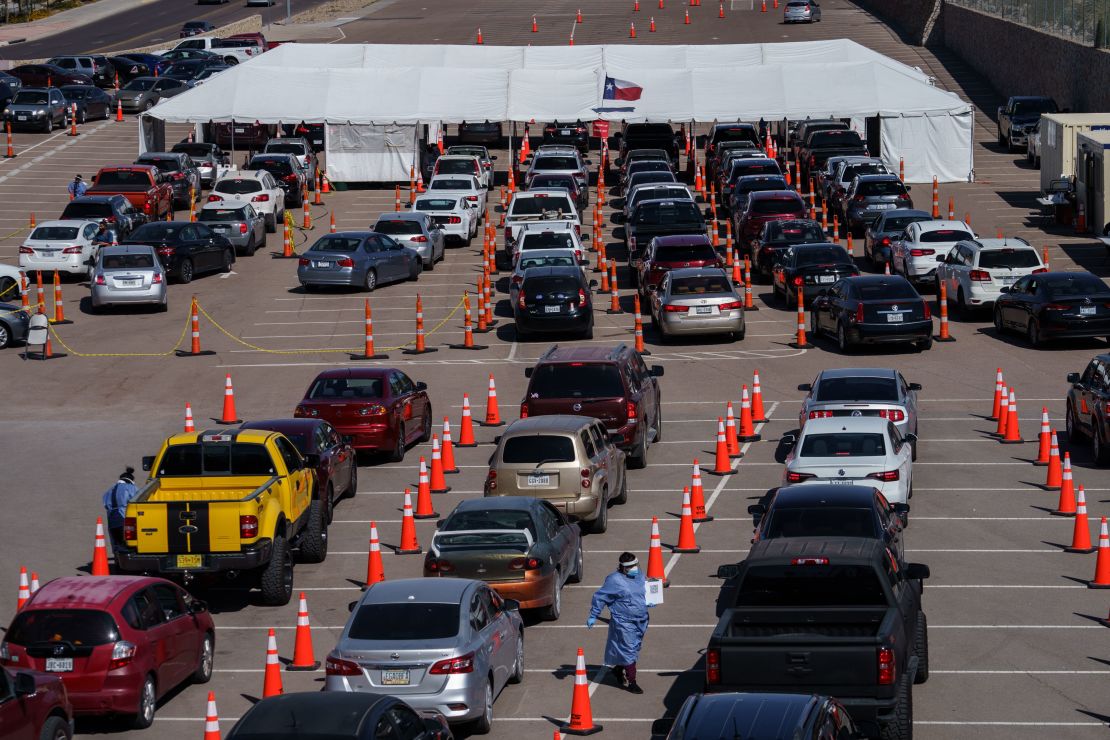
(401, 389)
(649, 389)
(181, 632)
(1089, 383)
(377, 258)
(557, 535)
(160, 641)
(397, 256)
(418, 404)
(344, 458)
(188, 246)
(210, 246)
(17, 717)
(1023, 304)
(498, 632)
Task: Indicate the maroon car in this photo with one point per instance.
(665, 253)
(34, 706)
(379, 409)
(337, 473)
(119, 643)
(764, 206)
(47, 75)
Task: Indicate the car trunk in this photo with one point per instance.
(1074, 309)
(893, 312)
(824, 274)
(75, 644)
(385, 667)
(124, 280)
(492, 564)
(176, 515)
(611, 411)
(343, 413)
(843, 470)
(328, 261)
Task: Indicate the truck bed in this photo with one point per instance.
(172, 490)
(763, 623)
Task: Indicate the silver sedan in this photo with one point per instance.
(448, 644)
(697, 300)
(128, 274)
(357, 259)
(862, 391)
(238, 222)
(417, 231)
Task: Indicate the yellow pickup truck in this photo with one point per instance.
(235, 503)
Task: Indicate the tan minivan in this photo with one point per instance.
(570, 461)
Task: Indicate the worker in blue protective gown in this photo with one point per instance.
(623, 592)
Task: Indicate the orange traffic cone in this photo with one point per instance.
(747, 428)
(1066, 505)
(758, 415)
(34, 583)
(375, 571)
(229, 415)
(632, 30)
(100, 551)
(651, 25)
(493, 415)
(721, 10)
(303, 657)
(424, 508)
(686, 540)
(581, 716)
(466, 425)
(189, 426)
(439, 483)
(721, 465)
(271, 682)
(697, 495)
(1013, 430)
(655, 555)
(1102, 564)
(368, 351)
(211, 719)
(119, 112)
(479, 39)
(1003, 413)
(801, 342)
(331, 221)
(448, 449)
(1081, 534)
(409, 544)
(1044, 439)
(1054, 479)
(24, 589)
(730, 432)
(997, 405)
(420, 348)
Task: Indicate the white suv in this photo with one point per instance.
(975, 270)
(257, 188)
(913, 252)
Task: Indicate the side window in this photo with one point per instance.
(479, 618)
(290, 456)
(131, 615)
(598, 435)
(493, 602)
(1102, 379)
(1020, 286)
(150, 611)
(883, 508)
(320, 439)
(169, 602)
(409, 726)
(895, 437)
(189, 233)
(1089, 374)
(203, 232)
(90, 231)
(406, 385)
(588, 443)
(550, 523)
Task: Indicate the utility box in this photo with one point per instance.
(1058, 132)
(1092, 176)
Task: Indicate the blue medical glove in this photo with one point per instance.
(590, 622)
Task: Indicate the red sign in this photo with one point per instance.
(601, 129)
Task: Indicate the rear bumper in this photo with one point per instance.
(103, 296)
(369, 438)
(72, 264)
(678, 324)
(460, 700)
(530, 594)
(913, 331)
(1075, 329)
(921, 272)
(250, 557)
(555, 322)
(119, 694)
(343, 276)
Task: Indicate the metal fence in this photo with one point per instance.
(1084, 21)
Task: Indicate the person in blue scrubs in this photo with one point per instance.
(623, 592)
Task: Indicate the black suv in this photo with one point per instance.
(1089, 407)
(575, 134)
(613, 385)
(554, 299)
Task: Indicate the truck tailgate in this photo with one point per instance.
(187, 527)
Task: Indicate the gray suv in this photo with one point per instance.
(37, 107)
(869, 196)
(179, 169)
(239, 223)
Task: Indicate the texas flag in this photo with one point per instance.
(621, 90)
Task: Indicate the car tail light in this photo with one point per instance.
(214, 198)
(72, 250)
(157, 279)
(26, 250)
(578, 230)
(859, 313)
(713, 666)
(302, 411)
(820, 414)
(461, 664)
(438, 565)
(472, 198)
(885, 241)
(491, 478)
(979, 276)
(340, 667)
(731, 306)
(630, 411)
(100, 280)
(242, 228)
(248, 526)
(792, 477)
(290, 178)
(904, 197)
(525, 563)
(178, 176)
(928, 311)
(122, 653)
(812, 160)
(809, 561)
(1039, 270)
(374, 409)
(130, 529)
(146, 208)
(520, 301)
(922, 252)
(893, 414)
(345, 262)
(264, 198)
(518, 279)
(585, 478)
(1056, 307)
(887, 476)
(670, 308)
(303, 262)
(798, 280)
(581, 298)
(165, 251)
(859, 198)
(420, 239)
(454, 219)
(886, 666)
(508, 231)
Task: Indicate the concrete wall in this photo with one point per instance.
(916, 20)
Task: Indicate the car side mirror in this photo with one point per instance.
(351, 606)
(910, 437)
(709, 213)
(916, 572)
(1073, 378)
(657, 371)
(348, 439)
(805, 387)
(1004, 289)
(652, 288)
(900, 508)
(941, 257)
(91, 261)
(528, 370)
(788, 439)
(148, 462)
(512, 605)
(616, 439)
(915, 386)
(593, 284)
(908, 188)
(439, 523)
(619, 217)
(493, 158)
(757, 509)
(311, 460)
(24, 684)
(421, 385)
(728, 571)
(198, 607)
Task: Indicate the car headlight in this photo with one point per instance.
(40, 112)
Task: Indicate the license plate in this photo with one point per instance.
(564, 133)
(701, 310)
(395, 677)
(539, 480)
(129, 283)
(321, 264)
(826, 278)
(59, 665)
(240, 131)
(190, 561)
(552, 309)
(842, 482)
(21, 118)
(1009, 280)
(894, 318)
(1086, 310)
(219, 228)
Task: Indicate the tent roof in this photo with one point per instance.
(381, 84)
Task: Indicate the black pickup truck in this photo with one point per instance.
(652, 218)
(834, 616)
(820, 145)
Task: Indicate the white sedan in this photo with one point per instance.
(65, 246)
(10, 283)
(467, 187)
(452, 214)
(914, 253)
(853, 450)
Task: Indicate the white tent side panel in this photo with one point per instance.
(933, 146)
(369, 153)
(548, 94)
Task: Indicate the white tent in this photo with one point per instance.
(402, 86)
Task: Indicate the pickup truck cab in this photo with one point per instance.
(1017, 118)
(834, 616)
(230, 502)
(143, 185)
(652, 218)
(535, 206)
(232, 51)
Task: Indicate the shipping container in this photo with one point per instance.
(1057, 152)
(1092, 181)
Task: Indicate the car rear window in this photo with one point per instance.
(899, 290)
(881, 187)
(700, 285)
(811, 585)
(347, 245)
(398, 227)
(741, 168)
(545, 261)
(795, 233)
(400, 622)
(825, 521)
(198, 458)
(667, 212)
(537, 448)
(273, 166)
(898, 223)
(684, 253)
(767, 206)
(843, 444)
(1006, 257)
(346, 388)
(166, 164)
(547, 240)
(238, 187)
(555, 163)
(649, 165)
(858, 389)
(156, 231)
(140, 85)
(1074, 286)
(838, 137)
(438, 184)
(455, 167)
(553, 181)
(87, 211)
(870, 168)
(737, 133)
(576, 380)
(539, 204)
(43, 233)
(821, 256)
(550, 286)
(127, 261)
(643, 178)
(287, 148)
(223, 214)
(124, 178)
(82, 627)
(492, 519)
(436, 204)
(676, 193)
(769, 183)
(1030, 107)
(944, 235)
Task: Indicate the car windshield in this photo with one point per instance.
(127, 261)
(81, 627)
(470, 151)
(199, 458)
(88, 211)
(667, 212)
(769, 206)
(825, 521)
(546, 261)
(858, 389)
(826, 585)
(404, 622)
(165, 230)
(900, 290)
(838, 137)
(881, 187)
(539, 204)
(576, 380)
(794, 233)
(1012, 258)
(699, 285)
(345, 244)
(1074, 286)
(455, 166)
(684, 253)
(821, 256)
(1032, 107)
(436, 204)
(550, 286)
(399, 227)
(140, 85)
(346, 388)
(843, 444)
(286, 148)
(944, 235)
(182, 69)
(438, 184)
(555, 163)
(238, 187)
(547, 240)
(44, 233)
(538, 448)
(199, 151)
(868, 168)
(223, 214)
(29, 97)
(899, 223)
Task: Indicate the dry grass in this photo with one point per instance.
(331, 10)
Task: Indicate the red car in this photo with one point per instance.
(666, 253)
(119, 643)
(34, 706)
(380, 409)
(764, 206)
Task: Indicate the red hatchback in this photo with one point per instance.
(764, 206)
(119, 643)
(379, 409)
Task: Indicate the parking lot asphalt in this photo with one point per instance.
(1017, 650)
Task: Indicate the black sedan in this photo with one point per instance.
(575, 134)
(128, 69)
(337, 716)
(179, 55)
(810, 267)
(554, 299)
(777, 236)
(47, 75)
(185, 249)
(91, 102)
(714, 716)
(194, 28)
(188, 70)
(825, 510)
(1055, 305)
(872, 309)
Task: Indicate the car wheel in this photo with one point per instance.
(49, 124)
(518, 664)
(552, 611)
(814, 327)
(431, 264)
(659, 425)
(398, 453)
(148, 105)
(900, 725)
(250, 248)
(371, 281)
(55, 728)
(229, 260)
(998, 327)
(417, 268)
(842, 342)
(9, 289)
(622, 495)
(924, 345)
(276, 581)
(1033, 334)
(314, 541)
(589, 333)
(5, 335)
(963, 311)
(148, 699)
(579, 565)
(921, 648)
(601, 521)
(638, 461)
(271, 222)
(352, 485)
(1001, 138)
(426, 427)
(203, 673)
(84, 117)
(185, 272)
(1098, 447)
(484, 724)
(1071, 424)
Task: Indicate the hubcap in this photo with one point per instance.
(148, 701)
(206, 657)
(520, 656)
(3, 336)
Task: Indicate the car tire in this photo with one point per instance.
(314, 541)
(148, 700)
(55, 728)
(924, 345)
(842, 342)
(921, 648)
(600, 523)
(998, 327)
(1099, 451)
(398, 453)
(250, 249)
(963, 310)
(370, 281)
(1071, 423)
(1033, 334)
(84, 117)
(518, 664)
(352, 484)
(579, 566)
(163, 306)
(185, 272)
(203, 673)
(276, 579)
(431, 263)
(658, 426)
(589, 333)
(551, 612)
(9, 289)
(638, 461)
(425, 428)
(900, 727)
(1001, 138)
(622, 495)
(814, 327)
(484, 724)
(148, 105)
(229, 260)
(49, 124)
(417, 268)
